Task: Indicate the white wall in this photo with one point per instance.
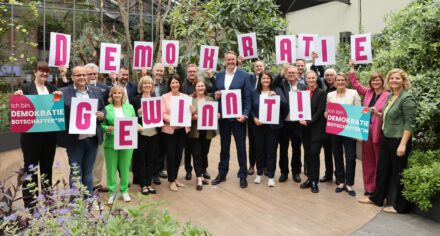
(334, 17)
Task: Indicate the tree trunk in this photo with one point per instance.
(141, 21)
(124, 17)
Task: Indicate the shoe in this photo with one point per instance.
(97, 206)
(306, 171)
(283, 178)
(180, 185)
(365, 200)
(218, 180)
(266, 173)
(314, 187)
(243, 182)
(257, 179)
(339, 189)
(368, 193)
(271, 182)
(126, 197)
(156, 180)
(162, 174)
(205, 182)
(100, 188)
(188, 176)
(111, 198)
(350, 192)
(325, 179)
(390, 209)
(151, 190)
(306, 184)
(297, 178)
(144, 190)
(251, 170)
(173, 187)
(206, 175)
(337, 182)
(199, 187)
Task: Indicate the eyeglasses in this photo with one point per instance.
(80, 75)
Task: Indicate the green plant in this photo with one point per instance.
(4, 111)
(421, 180)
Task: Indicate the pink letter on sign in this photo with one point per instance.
(231, 100)
(109, 59)
(269, 103)
(170, 55)
(324, 50)
(209, 58)
(181, 110)
(286, 52)
(307, 39)
(61, 49)
(124, 132)
(359, 49)
(154, 115)
(247, 46)
(208, 115)
(141, 52)
(300, 104)
(83, 118)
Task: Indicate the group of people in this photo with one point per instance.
(384, 154)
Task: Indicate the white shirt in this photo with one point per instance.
(42, 92)
(119, 113)
(228, 78)
(351, 97)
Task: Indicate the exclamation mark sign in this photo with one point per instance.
(300, 104)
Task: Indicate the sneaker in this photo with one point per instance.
(126, 197)
(257, 179)
(271, 182)
(111, 199)
(97, 206)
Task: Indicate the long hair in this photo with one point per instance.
(271, 85)
(194, 95)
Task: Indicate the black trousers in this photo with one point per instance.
(199, 149)
(174, 144)
(328, 158)
(312, 149)
(147, 152)
(38, 150)
(266, 142)
(160, 160)
(188, 151)
(344, 175)
(287, 134)
(391, 166)
(238, 130)
(251, 138)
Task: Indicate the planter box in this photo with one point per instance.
(433, 213)
(9, 141)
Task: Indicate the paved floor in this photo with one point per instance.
(398, 224)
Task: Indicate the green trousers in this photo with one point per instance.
(118, 160)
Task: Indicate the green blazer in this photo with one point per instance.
(401, 115)
(110, 121)
(194, 133)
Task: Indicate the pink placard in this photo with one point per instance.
(207, 116)
(142, 55)
(247, 45)
(151, 112)
(170, 53)
(83, 116)
(208, 57)
(269, 110)
(361, 52)
(285, 49)
(125, 133)
(326, 49)
(180, 114)
(299, 103)
(59, 54)
(110, 58)
(231, 103)
(306, 44)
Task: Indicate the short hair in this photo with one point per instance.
(142, 81)
(271, 85)
(375, 75)
(230, 52)
(42, 66)
(291, 67)
(91, 65)
(156, 65)
(194, 95)
(341, 74)
(174, 77)
(312, 71)
(113, 90)
(300, 59)
(191, 65)
(331, 70)
(403, 74)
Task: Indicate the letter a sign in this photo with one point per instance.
(59, 54)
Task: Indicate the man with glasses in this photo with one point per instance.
(81, 148)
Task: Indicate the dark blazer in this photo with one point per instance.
(131, 90)
(67, 140)
(255, 111)
(254, 80)
(285, 87)
(31, 88)
(316, 126)
(136, 103)
(105, 90)
(163, 88)
(188, 87)
(241, 80)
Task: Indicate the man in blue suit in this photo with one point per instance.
(130, 88)
(233, 78)
(81, 149)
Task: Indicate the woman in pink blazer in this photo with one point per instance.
(375, 96)
(174, 137)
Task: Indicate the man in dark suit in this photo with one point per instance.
(233, 78)
(81, 149)
(92, 80)
(291, 131)
(130, 88)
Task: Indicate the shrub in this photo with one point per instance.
(4, 112)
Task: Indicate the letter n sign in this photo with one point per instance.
(231, 103)
(207, 115)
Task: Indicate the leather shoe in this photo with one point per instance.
(314, 187)
(306, 184)
(368, 193)
(156, 180)
(206, 175)
(324, 179)
(283, 178)
(218, 180)
(188, 176)
(297, 178)
(243, 182)
(251, 170)
(199, 187)
(162, 174)
(205, 182)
